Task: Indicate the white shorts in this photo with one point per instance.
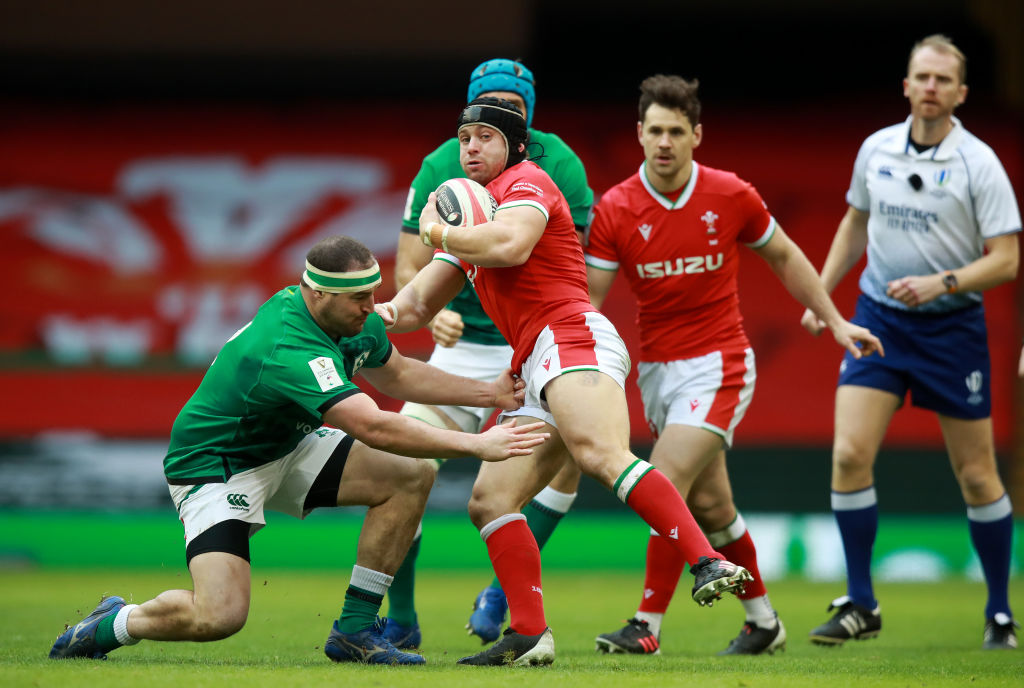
(280, 485)
(483, 362)
(587, 341)
(711, 391)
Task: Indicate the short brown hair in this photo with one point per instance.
(339, 254)
(941, 44)
(672, 92)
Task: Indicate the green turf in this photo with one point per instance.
(931, 637)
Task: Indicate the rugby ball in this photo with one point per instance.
(464, 203)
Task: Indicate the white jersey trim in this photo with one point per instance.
(532, 204)
(660, 198)
(769, 232)
(600, 263)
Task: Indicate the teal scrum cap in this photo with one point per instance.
(503, 75)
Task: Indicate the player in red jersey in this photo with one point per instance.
(674, 229)
(527, 267)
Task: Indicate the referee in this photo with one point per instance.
(935, 211)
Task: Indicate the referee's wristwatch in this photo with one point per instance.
(949, 280)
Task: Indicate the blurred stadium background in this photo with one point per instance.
(164, 168)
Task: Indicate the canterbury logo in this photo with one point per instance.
(546, 363)
(238, 500)
(648, 593)
(674, 533)
(694, 403)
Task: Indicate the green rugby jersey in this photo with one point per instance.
(266, 390)
(556, 158)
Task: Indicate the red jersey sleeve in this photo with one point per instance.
(531, 187)
(759, 225)
(599, 246)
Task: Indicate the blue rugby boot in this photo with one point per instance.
(402, 637)
(367, 646)
(80, 640)
(488, 614)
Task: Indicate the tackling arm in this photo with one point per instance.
(361, 418)
(420, 299)
(412, 380)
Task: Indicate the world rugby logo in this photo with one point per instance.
(974, 383)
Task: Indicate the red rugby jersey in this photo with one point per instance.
(680, 257)
(552, 283)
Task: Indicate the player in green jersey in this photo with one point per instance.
(468, 343)
(278, 424)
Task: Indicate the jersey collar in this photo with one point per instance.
(660, 198)
(946, 149)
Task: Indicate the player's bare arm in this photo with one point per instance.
(848, 245)
(412, 257)
(998, 265)
(416, 381)
(421, 299)
(360, 417)
(599, 282)
(797, 274)
(505, 241)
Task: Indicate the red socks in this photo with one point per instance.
(516, 560)
(655, 499)
(742, 552)
(664, 567)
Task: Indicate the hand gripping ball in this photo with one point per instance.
(464, 203)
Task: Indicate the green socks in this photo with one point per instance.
(363, 599)
(402, 593)
(105, 639)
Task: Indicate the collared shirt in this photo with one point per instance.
(930, 211)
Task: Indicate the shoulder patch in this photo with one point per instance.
(326, 375)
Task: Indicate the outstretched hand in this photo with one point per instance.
(506, 440)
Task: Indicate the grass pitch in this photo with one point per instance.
(931, 636)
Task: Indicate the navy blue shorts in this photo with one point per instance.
(941, 358)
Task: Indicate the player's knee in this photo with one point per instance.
(477, 509)
(426, 471)
(219, 625)
(416, 478)
(978, 478)
(709, 509)
(485, 506)
(850, 457)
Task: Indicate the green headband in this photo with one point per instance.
(342, 282)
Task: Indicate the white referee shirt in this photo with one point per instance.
(929, 211)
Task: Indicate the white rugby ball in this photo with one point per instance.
(464, 203)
